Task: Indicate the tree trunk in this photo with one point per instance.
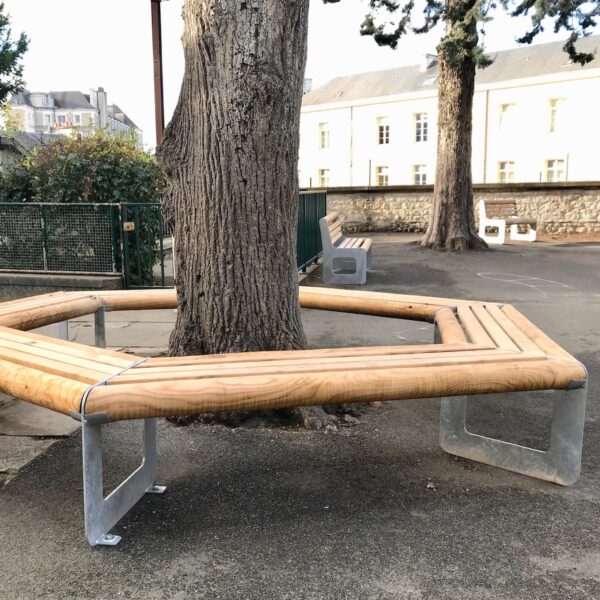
(452, 223)
(230, 155)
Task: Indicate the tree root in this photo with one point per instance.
(307, 417)
(455, 244)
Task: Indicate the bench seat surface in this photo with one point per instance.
(484, 348)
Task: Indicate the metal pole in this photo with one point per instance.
(159, 109)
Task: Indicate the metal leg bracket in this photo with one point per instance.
(560, 464)
(101, 514)
(100, 328)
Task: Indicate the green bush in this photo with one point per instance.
(103, 168)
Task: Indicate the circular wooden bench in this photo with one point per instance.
(479, 348)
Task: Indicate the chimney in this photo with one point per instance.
(98, 100)
(428, 61)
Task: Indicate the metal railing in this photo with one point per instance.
(128, 239)
(59, 238)
(312, 206)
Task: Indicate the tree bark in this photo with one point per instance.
(452, 222)
(230, 155)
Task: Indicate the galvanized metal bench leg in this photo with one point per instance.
(100, 328)
(101, 514)
(63, 330)
(560, 464)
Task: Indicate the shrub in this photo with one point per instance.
(103, 168)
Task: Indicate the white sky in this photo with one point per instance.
(83, 44)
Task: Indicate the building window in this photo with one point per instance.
(323, 135)
(555, 170)
(506, 171)
(507, 114)
(323, 178)
(421, 126)
(556, 113)
(61, 119)
(420, 174)
(382, 175)
(383, 130)
(47, 119)
(77, 119)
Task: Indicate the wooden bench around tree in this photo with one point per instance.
(499, 214)
(479, 348)
(341, 252)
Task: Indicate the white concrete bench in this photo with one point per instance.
(499, 214)
(343, 253)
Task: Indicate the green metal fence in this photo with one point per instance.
(129, 239)
(312, 206)
(59, 238)
(147, 247)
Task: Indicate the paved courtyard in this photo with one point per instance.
(375, 511)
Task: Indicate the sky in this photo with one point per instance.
(84, 44)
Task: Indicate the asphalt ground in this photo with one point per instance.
(374, 511)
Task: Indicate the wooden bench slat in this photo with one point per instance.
(335, 231)
(516, 335)
(41, 297)
(32, 318)
(252, 361)
(543, 341)
(474, 329)
(494, 330)
(520, 221)
(54, 366)
(367, 244)
(301, 354)
(107, 357)
(350, 366)
(364, 298)
(84, 362)
(450, 330)
(25, 305)
(184, 397)
(57, 393)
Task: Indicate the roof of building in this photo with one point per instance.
(72, 100)
(114, 110)
(64, 99)
(22, 141)
(518, 63)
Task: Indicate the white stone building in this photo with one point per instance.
(64, 112)
(535, 118)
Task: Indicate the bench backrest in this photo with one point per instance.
(331, 230)
(498, 209)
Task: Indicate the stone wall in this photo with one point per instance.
(560, 208)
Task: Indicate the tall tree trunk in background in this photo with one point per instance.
(452, 223)
(230, 155)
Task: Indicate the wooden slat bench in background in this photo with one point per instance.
(499, 214)
(479, 348)
(340, 252)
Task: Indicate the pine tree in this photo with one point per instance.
(11, 54)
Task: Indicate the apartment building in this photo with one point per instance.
(535, 118)
(64, 112)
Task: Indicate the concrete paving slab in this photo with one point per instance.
(24, 419)
(16, 452)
